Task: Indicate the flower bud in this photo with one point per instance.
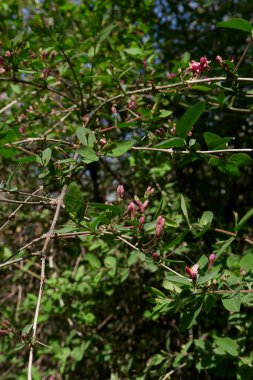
(103, 141)
(5, 323)
(192, 272)
(150, 190)
(212, 257)
(120, 193)
(131, 210)
(155, 256)
(8, 53)
(159, 227)
(4, 332)
(141, 222)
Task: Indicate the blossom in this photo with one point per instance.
(159, 227)
(192, 272)
(141, 222)
(120, 193)
(198, 67)
(212, 257)
(155, 256)
(131, 210)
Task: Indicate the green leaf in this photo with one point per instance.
(46, 156)
(224, 246)
(184, 209)
(189, 118)
(232, 301)
(134, 51)
(88, 154)
(174, 142)
(93, 261)
(244, 219)
(27, 329)
(206, 219)
(118, 148)
(155, 292)
(214, 141)
(236, 23)
(189, 316)
(203, 279)
(229, 345)
(165, 113)
(104, 34)
(74, 202)
(241, 159)
(86, 137)
(81, 135)
(114, 209)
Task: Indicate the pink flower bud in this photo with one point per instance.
(212, 257)
(150, 190)
(141, 222)
(131, 210)
(33, 55)
(170, 75)
(2, 70)
(189, 134)
(155, 256)
(192, 272)
(219, 59)
(139, 204)
(46, 72)
(120, 193)
(159, 227)
(103, 141)
(52, 56)
(4, 332)
(44, 55)
(232, 58)
(8, 53)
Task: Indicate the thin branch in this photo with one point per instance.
(40, 86)
(171, 151)
(42, 279)
(44, 139)
(243, 55)
(24, 202)
(12, 215)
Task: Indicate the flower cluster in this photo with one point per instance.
(197, 68)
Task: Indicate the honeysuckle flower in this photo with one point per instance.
(192, 272)
(120, 193)
(198, 67)
(141, 222)
(155, 256)
(159, 227)
(212, 257)
(131, 210)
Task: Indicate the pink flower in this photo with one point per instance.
(141, 222)
(212, 257)
(170, 75)
(150, 191)
(120, 193)
(155, 256)
(131, 210)
(219, 59)
(142, 206)
(192, 272)
(103, 141)
(198, 67)
(159, 227)
(8, 53)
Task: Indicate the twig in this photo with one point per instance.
(44, 139)
(171, 151)
(12, 215)
(42, 279)
(243, 55)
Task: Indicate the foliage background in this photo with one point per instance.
(97, 315)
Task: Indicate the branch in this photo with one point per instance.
(171, 151)
(42, 279)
